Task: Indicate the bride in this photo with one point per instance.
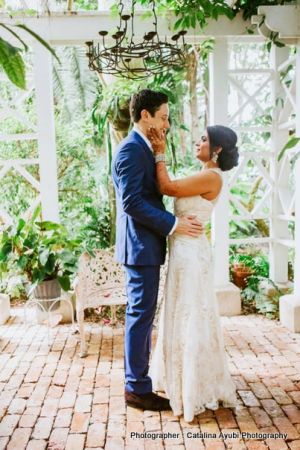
(189, 361)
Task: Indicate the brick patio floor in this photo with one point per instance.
(50, 398)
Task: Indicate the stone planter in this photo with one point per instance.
(48, 289)
(4, 308)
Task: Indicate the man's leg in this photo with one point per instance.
(142, 290)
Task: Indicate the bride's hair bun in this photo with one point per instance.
(225, 137)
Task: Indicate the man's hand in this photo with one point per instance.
(189, 226)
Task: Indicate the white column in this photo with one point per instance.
(297, 178)
(105, 5)
(278, 227)
(46, 132)
(290, 304)
(218, 114)
(228, 294)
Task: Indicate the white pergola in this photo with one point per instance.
(69, 28)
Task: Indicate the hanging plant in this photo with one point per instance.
(119, 114)
(11, 60)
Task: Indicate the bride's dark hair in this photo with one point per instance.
(225, 137)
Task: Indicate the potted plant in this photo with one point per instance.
(43, 252)
(248, 264)
(241, 269)
(240, 273)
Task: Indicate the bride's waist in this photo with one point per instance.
(177, 237)
(201, 216)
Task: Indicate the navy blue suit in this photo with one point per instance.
(142, 227)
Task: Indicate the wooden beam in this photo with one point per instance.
(75, 28)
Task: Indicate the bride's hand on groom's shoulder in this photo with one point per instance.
(157, 139)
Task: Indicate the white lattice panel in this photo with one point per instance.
(286, 120)
(14, 116)
(288, 81)
(261, 107)
(250, 97)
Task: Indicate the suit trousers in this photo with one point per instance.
(142, 290)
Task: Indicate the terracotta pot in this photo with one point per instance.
(240, 274)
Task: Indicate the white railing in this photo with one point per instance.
(238, 95)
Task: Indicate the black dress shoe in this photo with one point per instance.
(149, 401)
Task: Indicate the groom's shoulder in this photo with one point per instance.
(127, 145)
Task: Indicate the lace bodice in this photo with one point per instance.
(196, 205)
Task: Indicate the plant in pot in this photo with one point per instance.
(43, 252)
(248, 263)
(241, 269)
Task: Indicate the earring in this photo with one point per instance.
(215, 157)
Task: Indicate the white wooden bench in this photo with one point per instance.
(100, 282)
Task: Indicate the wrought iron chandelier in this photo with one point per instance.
(126, 58)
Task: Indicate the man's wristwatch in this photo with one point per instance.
(160, 157)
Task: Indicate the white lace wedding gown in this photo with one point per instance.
(189, 361)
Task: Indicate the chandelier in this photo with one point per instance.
(136, 60)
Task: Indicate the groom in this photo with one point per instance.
(142, 227)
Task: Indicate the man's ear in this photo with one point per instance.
(145, 114)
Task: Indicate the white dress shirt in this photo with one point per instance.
(138, 131)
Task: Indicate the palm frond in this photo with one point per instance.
(15, 35)
(59, 91)
(76, 68)
(39, 39)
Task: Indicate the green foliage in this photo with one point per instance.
(15, 35)
(39, 39)
(240, 229)
(192, 13)
(249, 7)
(261, 295)
(86, 5)
(95, 233)
(11, 60)
(12, 63)
(84, 180)
(292, 142)
(13, 285)
(40, 250)
(254, 259)
(75, 86)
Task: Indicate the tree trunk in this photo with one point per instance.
(193, 103)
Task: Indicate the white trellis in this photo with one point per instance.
(289, 117)
(278, 202)
(223, 80)
(12, 109)
(43, 133)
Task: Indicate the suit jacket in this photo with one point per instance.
(142, 221)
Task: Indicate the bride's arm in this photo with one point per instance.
(199, 184)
